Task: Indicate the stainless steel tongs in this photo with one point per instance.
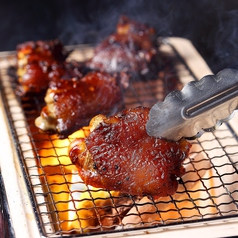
(199, 107)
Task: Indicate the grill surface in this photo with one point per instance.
(64, 206)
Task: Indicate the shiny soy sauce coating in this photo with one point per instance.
(119, 155)
(70, 104)
(35, 59)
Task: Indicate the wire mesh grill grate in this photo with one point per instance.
(65, 206)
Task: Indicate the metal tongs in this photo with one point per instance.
(201, 106)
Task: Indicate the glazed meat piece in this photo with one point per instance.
(117, 53)
(67, 70)
(36, 76)
(132, 49)
(34, 62)
(40, 51)
(119, 155)
(72, 103)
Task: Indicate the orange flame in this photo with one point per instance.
(75, 206)
(79, 208)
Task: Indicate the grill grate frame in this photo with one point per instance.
(220, 199)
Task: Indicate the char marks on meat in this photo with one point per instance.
(70, 104)
(119, 155)
(34, 62)
(73, 94)
(131, 49)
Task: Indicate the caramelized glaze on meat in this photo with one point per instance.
(119, 155)
(126, 53)
(34, 78)
(34, 61)
(67, 70)
(72, 103)
(47, 51)
(131, 49)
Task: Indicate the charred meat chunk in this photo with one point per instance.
(119, 155)
(34, 61)
(131, 49)
(70, 104)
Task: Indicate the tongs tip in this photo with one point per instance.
(201, 106)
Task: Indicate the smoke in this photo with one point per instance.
(210, 25)
(97, 19)
(225, 39)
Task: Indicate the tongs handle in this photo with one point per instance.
(200, 106)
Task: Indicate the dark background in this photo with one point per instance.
(211, 25)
